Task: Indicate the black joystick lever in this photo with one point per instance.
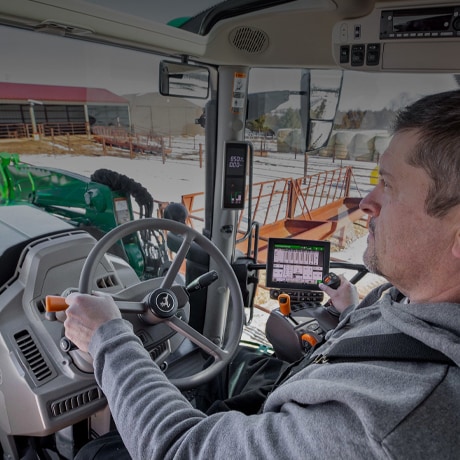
(331, 280)
(202, 281)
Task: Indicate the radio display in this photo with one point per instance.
(419, 22)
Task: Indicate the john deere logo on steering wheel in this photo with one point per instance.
(165, 302)
(162, 303)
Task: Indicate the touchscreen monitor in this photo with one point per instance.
(296, 264)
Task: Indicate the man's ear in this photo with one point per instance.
(456, 246)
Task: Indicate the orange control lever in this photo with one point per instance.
(310, 338)
(55, 303)
(284, 301)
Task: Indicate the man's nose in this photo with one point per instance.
(370, 203)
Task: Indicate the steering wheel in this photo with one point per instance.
(160, 304)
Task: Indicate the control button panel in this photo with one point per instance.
(299, 296)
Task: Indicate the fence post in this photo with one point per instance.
(201, 155)
(291, 201)
(305, 166)
(52, 140)
(348, 174)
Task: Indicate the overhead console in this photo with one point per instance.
(423, 38)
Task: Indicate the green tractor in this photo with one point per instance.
(99, 204)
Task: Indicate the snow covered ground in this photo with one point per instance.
(181, 173)
(165, 182)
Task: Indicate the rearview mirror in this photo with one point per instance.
(321, 94)
(184, 80)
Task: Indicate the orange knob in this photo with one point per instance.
(284, 301)
(309, 338)
(55, 303)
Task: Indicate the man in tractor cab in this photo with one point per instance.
(393, 392)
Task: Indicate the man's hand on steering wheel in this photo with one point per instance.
(86, 313)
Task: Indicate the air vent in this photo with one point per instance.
(70, 403)
(156, 352)
(36, 364)
(249, 39)
(106, 282)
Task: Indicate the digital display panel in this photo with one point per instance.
(236, 162)
(420, 22)
(296, 264)
(423, 22)
(235, 175)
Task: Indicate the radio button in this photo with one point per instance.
(373, 54)
(344, 54)
(357, 55)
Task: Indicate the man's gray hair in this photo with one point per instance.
(437, 118)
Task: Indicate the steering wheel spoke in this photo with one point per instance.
(179, 258)
(198, 339)
(131, 307)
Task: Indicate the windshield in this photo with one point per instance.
(82, 107)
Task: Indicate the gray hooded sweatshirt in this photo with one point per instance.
(346, 410)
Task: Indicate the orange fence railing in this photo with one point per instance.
(283, 198)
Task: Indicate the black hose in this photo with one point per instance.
(122, 183)
(155, 255)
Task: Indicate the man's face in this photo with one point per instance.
(403, 240)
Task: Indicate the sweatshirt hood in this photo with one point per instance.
(436, 325)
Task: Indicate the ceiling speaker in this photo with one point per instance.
(249, 39)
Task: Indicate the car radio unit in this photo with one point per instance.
(443, 21)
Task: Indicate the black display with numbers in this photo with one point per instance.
(236, 154)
